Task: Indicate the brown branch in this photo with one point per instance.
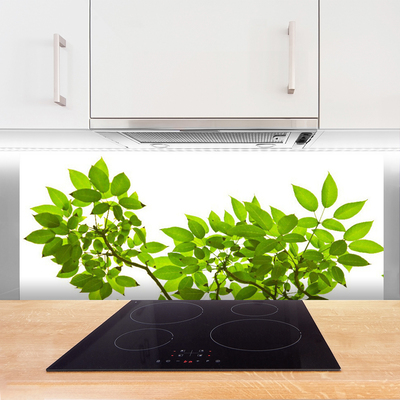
(133, 264)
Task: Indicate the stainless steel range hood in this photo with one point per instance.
(207, 133)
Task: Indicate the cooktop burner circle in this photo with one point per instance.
(255, 335)
(166, 312)
(143, 339)
(254, 309)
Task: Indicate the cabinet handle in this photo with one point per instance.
(58, 42)
(292, 43)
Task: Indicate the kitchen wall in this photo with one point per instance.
(9, 225)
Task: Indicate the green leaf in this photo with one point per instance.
(83, 228)
(40, 236)
(366, 246)
(334, 225)
(278, 271)
(58, 198)
(276, 214)
(99, 179)
(99, 273)
(73, 222)
(78, 203)
(173, 284)
(199, 253)
(100, 208)
(92, 285)
(357, 231)
(62, 274)
(239, 209)
(246, 293)
(120, 184)
(313, 255)
(199, 220)
(51, 247)
(305, 198)
(146, 258)
(48, 220)
(260, 216)
(98, 246)
(223, 227)
(200, 280)
(112, 273)
(324, 235)
(265, 246)
(80, 279)
(213, 219)
(243, 276)
(313, 240)
(185, 247)
(353, 260)
(338, 248)
(117, 210)
(114, 285)
(216, 241)
(79, 180)
(191, 269)
(131, 203)
(61, 230)
(338, 275)
(247, 231)
(179, 234)
(141, 233)
(349, 210)
(177, 259)
(125, 281)
(169, 272)
(287, 223)
(229, 219)
(308, 222)
(191, 294)
(329, 192)
(161, 261)
(70, 266)
(325, 279)
(87, 195)
(293, 238)
(105, 290)
(197, 229)
(102, 166)
(186, 283)
(47, 208)
(76, 252)
(153, 247)
(134, 220)
(63, 254)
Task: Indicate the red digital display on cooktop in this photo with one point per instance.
(203, 335)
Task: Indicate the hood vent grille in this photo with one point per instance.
(208, 136)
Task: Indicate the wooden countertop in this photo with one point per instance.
(363, 335)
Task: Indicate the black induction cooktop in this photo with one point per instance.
(203, 335)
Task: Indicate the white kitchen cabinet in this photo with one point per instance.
(203, 58)
(360, 64)
(27, 64)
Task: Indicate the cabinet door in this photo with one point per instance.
(27, 63)
(202, 58)
(360, 64)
